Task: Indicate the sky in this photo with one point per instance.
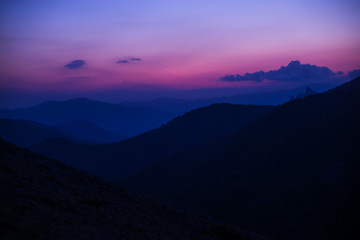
(76, 47)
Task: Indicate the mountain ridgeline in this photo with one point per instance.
(116, 160)
(127, 121)
(265, 97)
(26, 133)
(293, 173)
(288, 172)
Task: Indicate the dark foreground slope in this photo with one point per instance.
(44, 199)
(116, 160)
(292, 174)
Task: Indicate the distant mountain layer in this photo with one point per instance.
(44, 199)
(86, 130)
(296, 167)
(180, 106)
(127, 121)
(26, 133)
(113, 161)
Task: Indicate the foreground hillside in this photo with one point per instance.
(292, 174)
(44, 199)
(116, 160)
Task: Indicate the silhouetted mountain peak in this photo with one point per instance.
(302, 95)
(309, 91)
(128, 121)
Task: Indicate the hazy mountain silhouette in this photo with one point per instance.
(89, 131)
(291, 174)
(180, 106)
(275, 97)
(115, 117)
(115, 160)
(26, 133)
(308, 92)
(44, 199)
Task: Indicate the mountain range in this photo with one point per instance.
(26, 133)
(178, 106)
(289, 171)
(89, 121)
(113, 161)
(292, 173)
(126, 121)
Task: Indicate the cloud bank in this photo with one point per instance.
(75, 64)
(294, 71)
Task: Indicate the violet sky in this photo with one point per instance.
(168, 44)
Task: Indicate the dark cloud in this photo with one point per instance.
(294, 71)
(123, 61)
(75, 64)
(128, 60)
(354, 74)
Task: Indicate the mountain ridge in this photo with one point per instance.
(280, 170)
(132, 154)
(26, 133)
(128, 121)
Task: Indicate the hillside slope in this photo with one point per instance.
(44, 199)
(116, 160)
(296, 167)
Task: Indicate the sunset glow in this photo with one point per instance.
(176, 44)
